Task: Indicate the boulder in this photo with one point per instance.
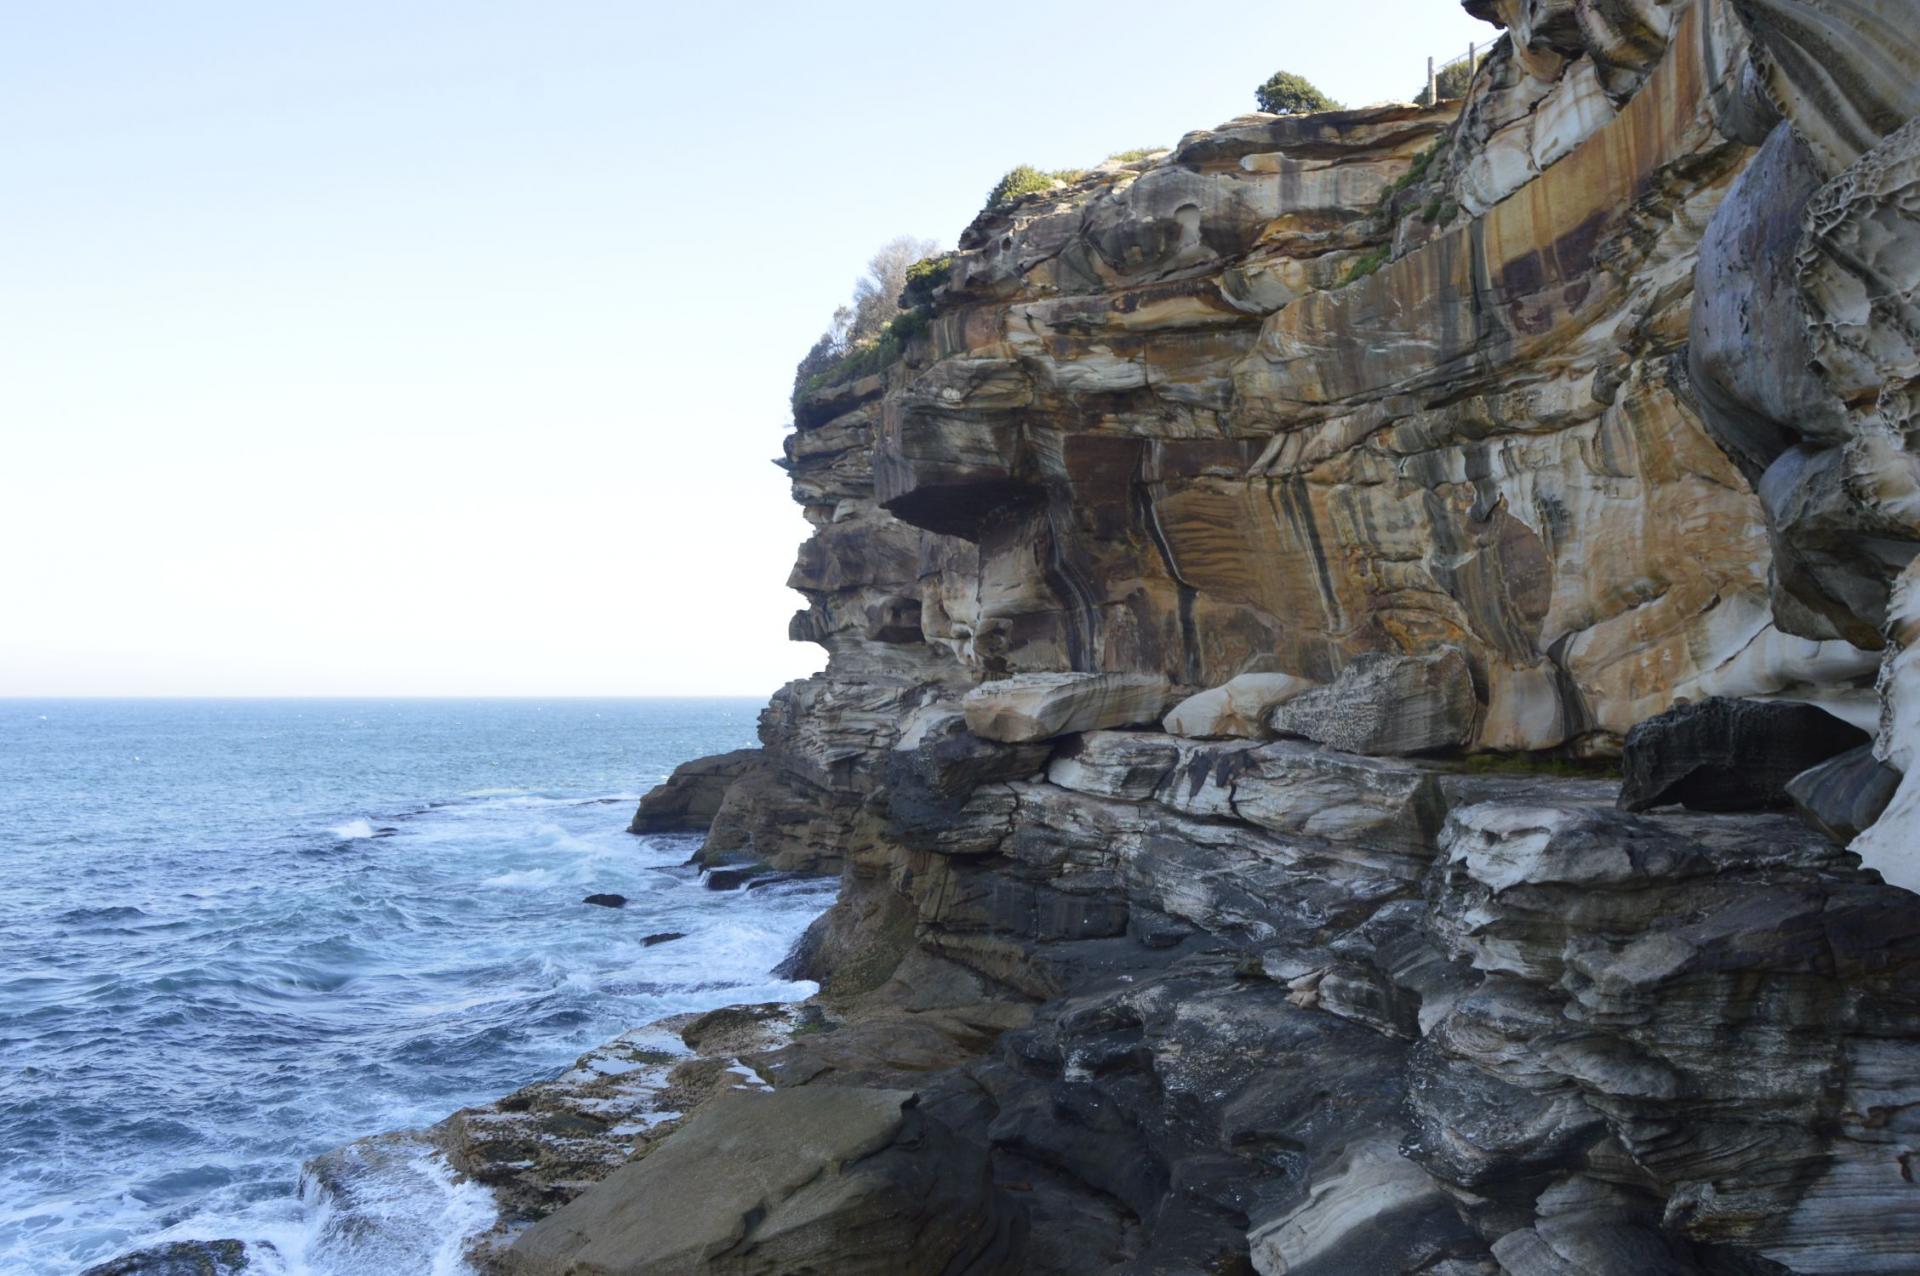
(1040, 706)
(1387, 705)
(1722, 754)
(662, 937)
(687, 800)
(179, 1258)
(1238, 707)
(606, 901)
(1371, 1211)
(1844, 795)
(734, 876)
(854, 1181)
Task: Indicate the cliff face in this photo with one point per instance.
(1238, 500)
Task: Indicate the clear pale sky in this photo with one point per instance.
(434, 348)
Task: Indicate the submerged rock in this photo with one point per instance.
(179, 1258)
(733, 878)
(662, 937)
(1729, 755)
(606, 901)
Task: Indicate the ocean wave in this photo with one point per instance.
(209, 995)
(86, 916)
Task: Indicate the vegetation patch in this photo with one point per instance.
(1285, 93)
(1023, 180)
(1367, 263)
(871, 332)
(923, 278)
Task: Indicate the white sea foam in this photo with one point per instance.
(458, 963)
(382, 1207)
(520, 879)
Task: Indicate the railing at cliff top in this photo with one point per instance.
(1472, 58)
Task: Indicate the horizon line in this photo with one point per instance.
(620, 695)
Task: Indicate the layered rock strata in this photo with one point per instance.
(1233, 604)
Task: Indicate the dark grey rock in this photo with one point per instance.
(859, 1182)
(687, 800)
(732, 879)
(1728, 755)
(1844, 795)
(606, 901)
(180, 1258)
(663, 937)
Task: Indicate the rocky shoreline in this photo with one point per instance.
(1370, 720)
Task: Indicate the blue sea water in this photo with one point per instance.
(235, 934)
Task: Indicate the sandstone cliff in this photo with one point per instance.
(1234, 601)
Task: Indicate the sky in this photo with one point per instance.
(442, 348)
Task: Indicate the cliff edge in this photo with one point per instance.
(1242, 596)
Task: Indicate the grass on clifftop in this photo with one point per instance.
(1023, 180)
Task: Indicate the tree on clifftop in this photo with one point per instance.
(870, 331)
(876, 296)
(1285, 93)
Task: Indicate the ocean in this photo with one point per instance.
(235, 934)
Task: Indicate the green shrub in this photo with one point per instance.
(1020, 181)
(1367, 263)
(871, 331)
(923, 277)
(1135, 155)
(1285, 93)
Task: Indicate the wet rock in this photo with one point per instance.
(179, 1258)
(687, 800)
(1843, 796)
(1729, 755)
(606, 900)
(662, 937)
(1040, 706)
(735, 877)
(819, 1178)
(1386, 704)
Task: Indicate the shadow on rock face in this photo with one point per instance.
(1729, 755)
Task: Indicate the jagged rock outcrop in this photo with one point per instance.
(1472, 438)
(1729, 755)
(690, 798)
